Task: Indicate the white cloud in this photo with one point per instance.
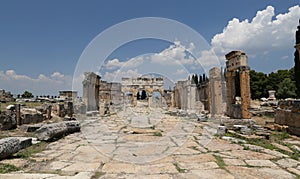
(263, 34)
(43, 84)
(180, 72)
(57, 75)
(118, 74)
(114, 64)
(175, 54)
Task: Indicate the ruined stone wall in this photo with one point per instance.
(288, 114)
(168, 97)
(187, 96)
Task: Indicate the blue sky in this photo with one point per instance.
(42, 41)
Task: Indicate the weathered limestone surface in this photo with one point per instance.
(288, 115)
(9, 146)
(216, 105)
(7, 121)
(56, 130)
(160, 145)
(237, 68)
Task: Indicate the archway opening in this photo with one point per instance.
(142, 95)
(156, 99)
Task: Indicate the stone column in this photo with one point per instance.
(61, 110)
(215, 85)
(70, 110)
(271, 95)
(18, 114)
(134, 95)
(173, 99)
(49, 107)
(91, 85)
(149, 99)
(245, 92)
(230, 91)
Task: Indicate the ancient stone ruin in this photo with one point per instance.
(238, 85)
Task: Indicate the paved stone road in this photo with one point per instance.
(149, 143)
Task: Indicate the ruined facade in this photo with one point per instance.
(150, 85)
(211, 94)
(191, 97)
(91, 85)
(103, 96)
(110, 95)
(207, 95)
(237, 85)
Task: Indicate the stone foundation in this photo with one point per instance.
(290, 119)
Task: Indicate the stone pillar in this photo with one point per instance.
(49, 107)
(18, 114)
(245, 92)
(134, 95)
(61, 110)
(91, 85)
(173, 99)
(70, 109)
(271, 95)
(215, 85)
(149, 99)
(297, 62)
(230, 91)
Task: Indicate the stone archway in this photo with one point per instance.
(143, 83)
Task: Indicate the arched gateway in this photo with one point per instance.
(150, 85)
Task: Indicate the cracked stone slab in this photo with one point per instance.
(235, 162)
(288, 163)
(261, 163)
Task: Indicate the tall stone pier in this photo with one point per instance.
(238, 85)
(91, 84)
(215, 82)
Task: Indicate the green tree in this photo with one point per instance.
(27, 94)
(258, 83)
(196, 79)
(286, 89)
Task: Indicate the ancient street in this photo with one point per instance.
(144, 142)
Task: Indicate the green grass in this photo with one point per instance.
(277, 137)
(157, 134)
(152, 127)
(194, 148)
(220, 162)
(29, 151)
(180, 170)
(6, 168)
